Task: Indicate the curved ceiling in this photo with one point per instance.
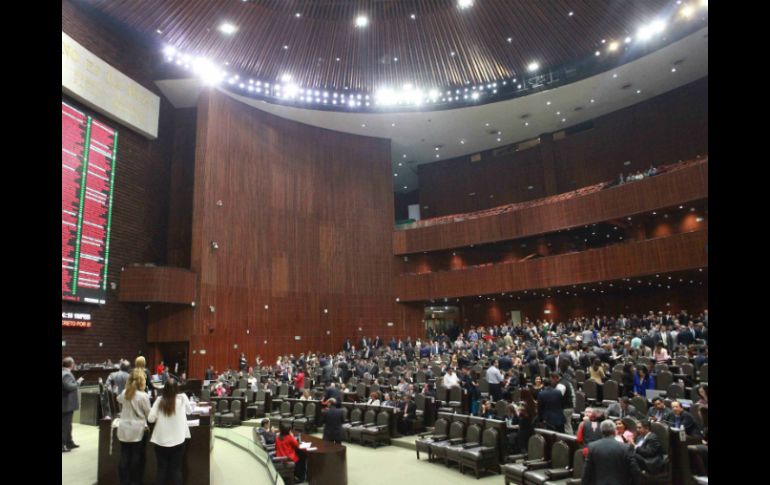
(428, 43)
(456, 132)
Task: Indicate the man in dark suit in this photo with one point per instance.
(408, 411)
(332, 393)
(550, 408)
(622, 409)
(610, 462)
(377, 342)
(333, 419)
(679, 418)
(648, 451)
(658, 412)
(69, 402)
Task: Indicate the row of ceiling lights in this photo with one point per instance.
(410, 95)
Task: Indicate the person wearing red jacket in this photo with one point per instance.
(299, 382)
(286, 445)
(160, 369)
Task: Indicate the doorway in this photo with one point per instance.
(441, 319)
(174, 356)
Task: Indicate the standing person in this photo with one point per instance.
(170, 415)
(69, 402)
(117, 380)
(160, 369)
(131, 431)
(243, 364)
(286, 445)
(643, 381)
(333, 419)
(299, 382)
(609, 462)
(550, 407)
(495, 378)
(141, 363)
(564, 386)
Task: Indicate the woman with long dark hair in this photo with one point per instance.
(287, 445)
(169, 413)
(643, 381)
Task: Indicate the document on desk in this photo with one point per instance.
(193, 423)
(304, 446)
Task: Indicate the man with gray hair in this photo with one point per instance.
(69, 402)
(117, 380)
(610, 462)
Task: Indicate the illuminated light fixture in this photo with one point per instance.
(627, 40)
(463, 4)
(362, 21)
(687, 11)
(533, 66)
(207, 71)
(290, 91)
(169, 51)
(286, 78)
(405, 186)
(638, 91)
(526, 123)
(510, 39)
(227, 28)
(613, 46)
(614, 76)
(571, 14)
(475, 96)
(673, 69)
(597, 53)
(593, 100)
(648, 31)
(298, 15)
(413, 16)
(395, 59)
(462, 142)
(704, 3)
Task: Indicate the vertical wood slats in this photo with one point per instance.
(666, 254)
(157, 284)
(543, 31)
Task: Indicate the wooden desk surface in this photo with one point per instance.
(327, 465)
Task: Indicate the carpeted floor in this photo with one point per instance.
(230, 465)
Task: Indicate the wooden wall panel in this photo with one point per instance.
(304, 226)
(674, 253)
(664, 190)
(659, 131)
(157, 284)
(140, 203)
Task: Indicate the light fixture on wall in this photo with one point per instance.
(212, 308)
(214, 245)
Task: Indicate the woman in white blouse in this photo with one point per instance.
(133, 422)
(169, 413)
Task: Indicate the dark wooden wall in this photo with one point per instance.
(140, 204)
(673, 253)
(662, 130)
(664, 190)
(304, 225)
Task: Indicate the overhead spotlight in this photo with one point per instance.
(475, 96)
(362, 21)
(207, 71)
(413, 16)
(687, 11)
(227, 28)
(298, 15)
(169, 51)
(648, 31)
(613, 46)
(533, 66)
(463, 4)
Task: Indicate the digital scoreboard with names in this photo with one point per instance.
(89, 149)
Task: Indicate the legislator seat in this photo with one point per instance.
(514, 472)
(666, 474)
(485, 457)
(233, 417)
(559, 467)
(380, 433)
(440, 432)
(437, 449)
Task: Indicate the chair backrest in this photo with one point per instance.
(238, 392)
(704, 373)
(442, 393)
(361, 390)
(483, 385)
(577, 463)
(310, 410)
(662, 431)
(589, 388)
(299, 408)
(420, 402)
(456, 394)
(345, 414)
(617, 376)
(273, 389)
(640, 403)
(441, 426)
(560, 455)
(370, 416)
(663, 379)
(285, 407)
(473, 435)
(235, 407)
(688, 369)
(261, 396)
(456, 429)
(580, 376)
(374, 388)
(611, 390)
(243, 384)
(383, 419)
(516, 395)
(501, 409)
(250, 395)
(284, 392)
(618, 368)
(536, 447)
(675, 391)
(660, 368)
(580, 401)
(420, 377)
(356, 414)
(490, 438)
(205, 394)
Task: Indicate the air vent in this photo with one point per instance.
(492, 132)
(679, 62)
(579, 108)
(626, 86)
(525, 116)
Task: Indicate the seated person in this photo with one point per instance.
(648, 451)
(658, 412)
(408, 410)
(266, 432)
(681, 419)
(373, 399)
(306, 396)
(486, 410)
(623, 435)
(621, 409)
(286, 445)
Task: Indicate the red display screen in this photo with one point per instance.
(89, 148)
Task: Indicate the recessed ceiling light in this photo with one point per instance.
(404, 186)
(286, 47)
(462, 142)
(452, 53)
(627, 40)
(298, 15)
(158, 31)
(404, 155)
(395, 59)
(228, 28)
(533, 66)
(614, 76)
(363, 125)
(687, 11)
(571, 14)
(413, 16)
(673, 69)
(463, 4)
(526, 123)
(498, 139)
(400, 164)
(548, 103)
(597, 53)
(592, 100)
(613, 46)
(338, 59)
(392, 124)
(638, 91)
(510, 39)
(362, 21)
(395, 175)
